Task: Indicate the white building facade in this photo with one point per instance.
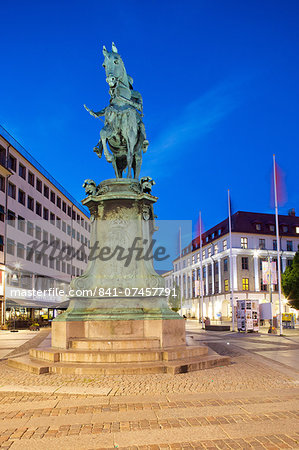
(35, 207)
(253, 241)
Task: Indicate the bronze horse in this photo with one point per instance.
(123, 130)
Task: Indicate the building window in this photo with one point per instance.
(10, 246)
(11, 217)
(11, 190)
(207, 239)
(52, 218)
(58, 202)
(39, 185)
(46, 214)
(210, 270)
(29, 254)
(204, 272)
(216, 249)
(289, 262)
(262, 244)
(263, 286)
(213, 235)
(22, 197)
(58, 222)
(2, 185)
(2, 156)
(45, 260)
(224, 245)
(63, 266)
(274, 244)
(38, 257)
(244, 263)
(209, 251)
(30, 203)
(245, 284)
(1, 243)
(21, 223)
(219, 232)
(38, 233)
(12, 163)
(258, 227)
(30, 228)
(297, 228)
(64, 207)
(271, 227)
(31, 178)
(225, 264)
(289, 246)
(69, 211)
(285, 229)
(46, 191)
(38, 209)
(244, 242)
(53, 197)
(20, 250)
(2, 213)
(22, 171)
(63, 226)
(216, 268)
(226, 285)
(45, 236)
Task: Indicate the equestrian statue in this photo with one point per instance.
(124, 130)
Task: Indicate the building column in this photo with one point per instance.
(207, 280)
(256, 273)
(213, 279)
(219, 276)
(284, 263)
(235, 274)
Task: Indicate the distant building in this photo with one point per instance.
(253, 241)
(34, 206)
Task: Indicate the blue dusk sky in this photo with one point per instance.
(219, 81)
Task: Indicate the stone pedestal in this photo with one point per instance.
(118, 320)
(124, 295)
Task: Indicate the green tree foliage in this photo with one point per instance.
(290, 282)
(174, 299)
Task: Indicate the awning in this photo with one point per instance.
(28, 303)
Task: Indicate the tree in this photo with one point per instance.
(290, 282)
(174, 298)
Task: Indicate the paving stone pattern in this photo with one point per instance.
(245, 405)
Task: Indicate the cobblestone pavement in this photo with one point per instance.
(245, 405)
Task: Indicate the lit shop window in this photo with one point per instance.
(245, 284)
(226, 286)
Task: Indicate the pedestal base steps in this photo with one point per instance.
(122, 355)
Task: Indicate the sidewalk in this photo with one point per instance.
(246, 405)
(262, 329)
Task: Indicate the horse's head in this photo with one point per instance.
(114, 67)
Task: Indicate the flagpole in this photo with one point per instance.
(278, 247)
(181, 283)
(201, 280)
(231, 262)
